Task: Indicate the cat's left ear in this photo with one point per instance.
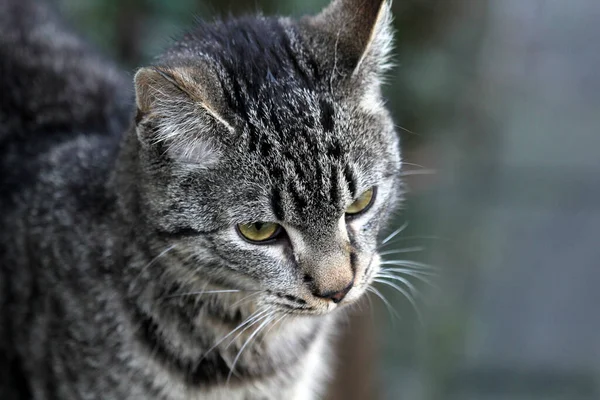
(355, 37)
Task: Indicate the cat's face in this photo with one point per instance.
(270, 162)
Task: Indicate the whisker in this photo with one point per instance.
(371, 307)
(405, 294)
(409, 285)
(410, 264)
(161, 254)
(269, 319)
(406, 238)
(247, 297)
(419, 172)
(397, 231)
(204, 292)
(413, 272)
(256, 321)
(252, 317)
(423, 238)
(389, 307)
(406, 250)
(413, 165)
(406, 129)
(278, 320)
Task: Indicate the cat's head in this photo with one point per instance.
(269, 160)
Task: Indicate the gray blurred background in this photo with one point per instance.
(501, 99)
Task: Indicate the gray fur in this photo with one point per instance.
(115, 240)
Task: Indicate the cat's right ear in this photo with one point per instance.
(354, 38)
(178, 108)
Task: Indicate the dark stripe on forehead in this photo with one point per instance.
(299, 201)
(277, 205)
(327, 115)
(350, 180)
(299, 170)
(235, 93)
(334, 190)
(334, 150)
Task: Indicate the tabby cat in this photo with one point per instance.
(196, 240)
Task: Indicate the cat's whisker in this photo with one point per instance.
(419, 172)
(277, 321)
(335, 60)
(270, 318)
(410, 264)
(204, 292)
(405, 294)
(247, 297)
(256, 321)
(406, 250)
(413, 272)
(393, 234)
(405, 130)
(370, 307)
(406, 282)
(413, 165)
(252, 317)
(407, 238)
(161, 254)
(389, 307)
(420, 278)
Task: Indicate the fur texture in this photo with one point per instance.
(122, 273)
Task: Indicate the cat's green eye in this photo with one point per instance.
(363, 202)
(259, 231)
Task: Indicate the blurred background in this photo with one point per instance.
(498, 108)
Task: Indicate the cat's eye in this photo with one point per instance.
(258, 232)
(362, 203)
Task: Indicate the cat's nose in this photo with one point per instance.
(335, 295)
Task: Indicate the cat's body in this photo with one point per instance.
(107, 221)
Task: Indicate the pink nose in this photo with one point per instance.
(336, 296)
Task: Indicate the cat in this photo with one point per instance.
(195, 237)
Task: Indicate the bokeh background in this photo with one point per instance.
(498, 108)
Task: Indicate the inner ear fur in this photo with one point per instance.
(159, 88)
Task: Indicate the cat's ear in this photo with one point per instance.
(359, 35)
(180, 109)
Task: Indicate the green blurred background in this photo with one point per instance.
(498, 107)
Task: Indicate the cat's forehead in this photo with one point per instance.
(295, 147)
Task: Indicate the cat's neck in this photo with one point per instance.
(207, 334)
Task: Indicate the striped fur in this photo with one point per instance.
(122, 275)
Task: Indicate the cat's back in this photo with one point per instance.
(63, 110)
(50, 80)
(53, 90)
